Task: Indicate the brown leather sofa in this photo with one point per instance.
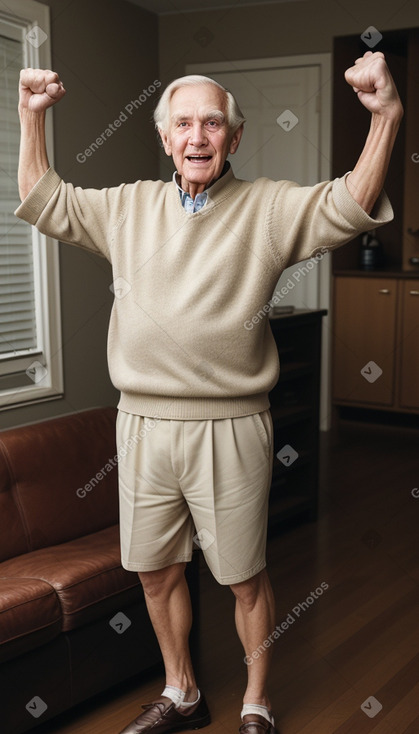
(73, 622)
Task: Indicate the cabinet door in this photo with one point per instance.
(409, 372)
(364, 340)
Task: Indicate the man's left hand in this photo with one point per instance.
(371, 80)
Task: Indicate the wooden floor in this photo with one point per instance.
(359, 639)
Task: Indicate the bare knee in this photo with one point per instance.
(247, 592)
(161, 583)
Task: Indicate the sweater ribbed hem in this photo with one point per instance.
(183, 409)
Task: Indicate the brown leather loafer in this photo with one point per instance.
(162, 716)
(255, 724)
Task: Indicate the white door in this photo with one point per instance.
(283, 149)
(286, 102)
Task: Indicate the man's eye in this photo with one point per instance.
(212, 123)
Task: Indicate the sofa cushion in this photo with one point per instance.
(85, 573)
(46, 469)
(30, 615)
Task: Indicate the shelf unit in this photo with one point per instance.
(376, 312)
(295, 402)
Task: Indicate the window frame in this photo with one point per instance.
(44, 363)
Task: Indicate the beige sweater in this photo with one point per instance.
(186, 284)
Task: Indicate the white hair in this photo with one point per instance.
(161, 115)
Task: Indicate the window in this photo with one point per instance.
(30, 339)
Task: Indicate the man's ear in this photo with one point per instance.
(166, 142)
(235, 140)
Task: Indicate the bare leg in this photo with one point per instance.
(255, 621)
(169, 606)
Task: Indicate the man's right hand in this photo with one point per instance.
(39, 89)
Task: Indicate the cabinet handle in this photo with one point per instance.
(384, 291)
(414, 293)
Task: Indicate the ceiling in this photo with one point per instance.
(165, 7)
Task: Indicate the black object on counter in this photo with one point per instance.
(371, 254)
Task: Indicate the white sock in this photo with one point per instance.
(177, 696)
(186, 704)
(255, 708)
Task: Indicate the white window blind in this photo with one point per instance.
(18, 329)
(30, 329)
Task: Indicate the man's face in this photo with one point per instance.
(199, 139)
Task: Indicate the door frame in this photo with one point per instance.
(324, 93)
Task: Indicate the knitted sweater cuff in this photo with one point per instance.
(354, 214)
(34, 203)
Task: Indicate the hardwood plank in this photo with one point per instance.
(402, 716)
(331, 716)
(341, 622)
(414, 725)
(389, 697)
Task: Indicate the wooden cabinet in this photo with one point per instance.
(376, 342)
(295, 414)
(364, 333)
(375, 315)
(408, 345)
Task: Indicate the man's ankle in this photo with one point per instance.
(258, 700)
(181, 697)
(191, 695)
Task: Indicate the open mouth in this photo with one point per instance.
(199, 159)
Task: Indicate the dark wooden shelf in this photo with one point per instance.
(393, 273)
(367, 327)
(301, 314)
(291, 370)
(295, 414)
(286, 415)
(287, 507)
(280, 470)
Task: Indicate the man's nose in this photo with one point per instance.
(198, 136)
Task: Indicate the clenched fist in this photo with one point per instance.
(371, 80)
(39, 89)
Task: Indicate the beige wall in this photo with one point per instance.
(106, 52)
(284, 29)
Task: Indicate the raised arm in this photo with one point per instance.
(372, 82)
(38, 90)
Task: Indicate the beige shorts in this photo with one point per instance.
(202, 482)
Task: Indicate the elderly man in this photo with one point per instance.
(193, 259)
